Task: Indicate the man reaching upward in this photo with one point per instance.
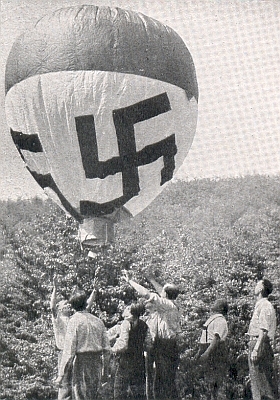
(164, 324)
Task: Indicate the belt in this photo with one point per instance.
(97, 353)
(253, 337)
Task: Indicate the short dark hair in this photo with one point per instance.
(79, 300)
(220, 306)
(137, 309)
(171, 291)
(267, 287)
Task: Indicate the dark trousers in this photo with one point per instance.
(166, 358)
(150, 374)
(129, 381)
(215, 370)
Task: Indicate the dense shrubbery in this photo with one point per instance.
(212, 238)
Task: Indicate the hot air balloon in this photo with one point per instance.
(101, 103)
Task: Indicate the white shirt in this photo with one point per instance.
(85, 333)
(264, 317)
(113, 333)
(60, 323)
(164, 320)
(216, 324)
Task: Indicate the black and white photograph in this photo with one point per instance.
(140, 200)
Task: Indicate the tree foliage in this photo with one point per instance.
(212, 238)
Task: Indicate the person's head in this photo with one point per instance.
(170, 291)
(79, 300)
(133, 312)
(264, 287)
(64, 308)
(137, 309)
(220, 306)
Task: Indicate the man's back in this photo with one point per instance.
(89, 333)
(164, 321)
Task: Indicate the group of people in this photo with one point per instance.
(144, 346)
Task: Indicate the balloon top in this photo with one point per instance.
(102, 38)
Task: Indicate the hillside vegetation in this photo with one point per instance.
(212, 238)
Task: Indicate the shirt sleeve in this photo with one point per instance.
(113, 333)
(105, 341)
(70, 346)
(265, 318)
(162, 304)
(122, 341)
(220, 327)
(159, 302)
(140, 289)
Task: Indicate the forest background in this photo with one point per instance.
(214, 238)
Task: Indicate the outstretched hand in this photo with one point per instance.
(96, 276)
(126, 275)
(149, 276)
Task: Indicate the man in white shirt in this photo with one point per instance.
(261, 331)
(164, 324)
(86, 349)
(213, 351)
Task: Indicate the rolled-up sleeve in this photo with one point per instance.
(113, 333)
(122, 341)
(265, 318)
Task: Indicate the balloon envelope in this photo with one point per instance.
(102, 105)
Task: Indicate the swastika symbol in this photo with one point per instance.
(129, 159)
(127, 162)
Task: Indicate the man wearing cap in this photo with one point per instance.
(261, 331)
(213, 351)
(164, 324)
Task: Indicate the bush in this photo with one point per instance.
(199, 235)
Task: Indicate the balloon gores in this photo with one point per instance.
(101, 103)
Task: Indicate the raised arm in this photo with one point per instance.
(53, 297)
(155, 284)
(92, 297)
(139, 288)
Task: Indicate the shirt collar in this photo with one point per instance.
(262, 300)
